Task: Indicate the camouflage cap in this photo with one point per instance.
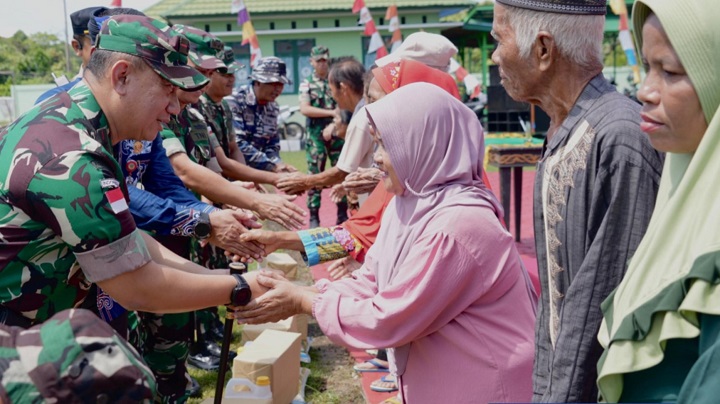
(205, 48)
(270, 69)
(319, 52)
(162, 48)
(229, 60)
(73, 357)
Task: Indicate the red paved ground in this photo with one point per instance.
(526, 248)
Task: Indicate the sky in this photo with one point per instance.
(32, 16)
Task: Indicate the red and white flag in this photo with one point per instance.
(376, 44)
(116, 3)
(472, 85)
(391, 16)
(117, 200)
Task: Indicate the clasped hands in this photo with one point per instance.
(280, 300)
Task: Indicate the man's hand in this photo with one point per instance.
(294, 184)
(337, 193)
(269, 239)
(227, 226)
(284, 299)
(362, 181)
(342, 268)
(328, 132)
(279, 208)
(284, 168)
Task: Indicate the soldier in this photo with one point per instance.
(67, 224)
(255, 115)
(75, 367)
(80, 43)
(317, 104)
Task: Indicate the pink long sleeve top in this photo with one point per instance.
(458, 310)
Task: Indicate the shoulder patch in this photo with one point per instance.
(109, 183)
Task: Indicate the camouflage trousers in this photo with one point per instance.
(317, 151)
(210, 257)
(165, 350)
(164, 341)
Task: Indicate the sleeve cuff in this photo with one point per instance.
(311, 250)
(173, 146)
(124, 255)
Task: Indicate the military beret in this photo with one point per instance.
(79, 19)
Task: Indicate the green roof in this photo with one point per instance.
(191, 8)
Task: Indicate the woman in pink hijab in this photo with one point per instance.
(443, 284)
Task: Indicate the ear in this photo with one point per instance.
(120, 74)
(76, 47)
(545, 50)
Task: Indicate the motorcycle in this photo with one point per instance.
(287, 129)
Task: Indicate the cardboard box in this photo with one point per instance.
(283, 262)
(297, 323)
(275, 354)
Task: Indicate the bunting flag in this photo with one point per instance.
(391, 16)
(248, 31)
(116, 3)
(620, 9)
(472, 85)
(376, 44)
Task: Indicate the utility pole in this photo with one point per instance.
(67, 40)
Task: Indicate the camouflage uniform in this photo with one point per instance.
(316, 91)
(74, 357)
(256, 128)
(64, 198)
(58, 177)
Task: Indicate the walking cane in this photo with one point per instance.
(235, 268)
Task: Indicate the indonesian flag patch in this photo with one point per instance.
(117, 200)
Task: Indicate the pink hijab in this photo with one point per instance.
(440, 165)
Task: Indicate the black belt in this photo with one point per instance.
(11, 318)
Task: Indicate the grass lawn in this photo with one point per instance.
(295, 159)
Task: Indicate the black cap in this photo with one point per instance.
(79, 19)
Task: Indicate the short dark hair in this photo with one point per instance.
(347, 70)
(101, 60)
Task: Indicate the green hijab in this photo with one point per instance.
(675, 273)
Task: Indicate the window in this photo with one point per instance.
(368, 60)
(296, 54)
(242, 56)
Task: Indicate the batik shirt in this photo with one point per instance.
(316, 91)
(324, 244)
(64, 219)
(256, 128)
(595, 190)
(159, 201)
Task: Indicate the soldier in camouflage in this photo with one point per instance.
(255, 115)
(73, 357)
(63, 200)
(317, 104)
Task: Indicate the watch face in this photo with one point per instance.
(242, 296)
(202, 230)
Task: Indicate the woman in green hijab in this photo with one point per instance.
(661, 327)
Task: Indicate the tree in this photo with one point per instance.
(31, 60)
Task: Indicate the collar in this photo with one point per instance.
(99, 129)
(596, 88)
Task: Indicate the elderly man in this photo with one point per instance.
(67, 223)
(346, 84)
(595, 186)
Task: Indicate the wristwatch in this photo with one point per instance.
(202, 228)
(241, 293)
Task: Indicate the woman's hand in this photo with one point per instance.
(343, 267)
(362, 181)
(269, 239)
(284, 299)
